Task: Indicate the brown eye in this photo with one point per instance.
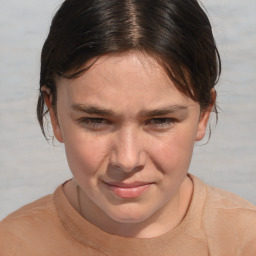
(160, 122)
(95, 123)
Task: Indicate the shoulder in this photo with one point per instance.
(235, 209)
(228, 200)
(30, 213)
(25, 225)
(216, 199)
(230, 221)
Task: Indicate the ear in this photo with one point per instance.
(54, 120)
(204, 117)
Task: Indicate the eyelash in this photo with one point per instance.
(95, 122)
(101, 123)
(161, 122)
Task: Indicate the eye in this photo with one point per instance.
(95, 123)
(160, 123)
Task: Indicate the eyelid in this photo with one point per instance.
(94, 123)
(166, 122)
(91, 119)
(103, 124)
(161, 118)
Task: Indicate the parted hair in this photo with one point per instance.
(177, 33)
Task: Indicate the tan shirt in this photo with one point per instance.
(217, 223)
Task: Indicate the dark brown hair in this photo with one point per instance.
(177, 33)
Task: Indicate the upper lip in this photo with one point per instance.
(128, 185)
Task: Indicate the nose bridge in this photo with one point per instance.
(128, 152)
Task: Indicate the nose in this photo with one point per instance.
(128, 152)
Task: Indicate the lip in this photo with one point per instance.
(128, 190)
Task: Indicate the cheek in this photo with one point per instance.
(85, 154)
(175, 152)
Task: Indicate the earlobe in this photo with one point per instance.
(54, 121)
(204, 117)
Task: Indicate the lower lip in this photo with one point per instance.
(132, 192)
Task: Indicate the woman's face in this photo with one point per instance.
(128, 134)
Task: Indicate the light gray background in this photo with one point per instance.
(31, 168)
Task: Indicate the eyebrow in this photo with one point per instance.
(164, 111)
(94, 110)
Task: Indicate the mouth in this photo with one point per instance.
(131, 190)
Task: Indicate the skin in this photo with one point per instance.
(127, 129)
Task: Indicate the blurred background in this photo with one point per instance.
(31, 168)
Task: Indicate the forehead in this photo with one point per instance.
(122, 78)
(135, 65)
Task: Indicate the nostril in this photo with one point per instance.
(129, 172)
(128, 162)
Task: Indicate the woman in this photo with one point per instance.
(129, 87)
